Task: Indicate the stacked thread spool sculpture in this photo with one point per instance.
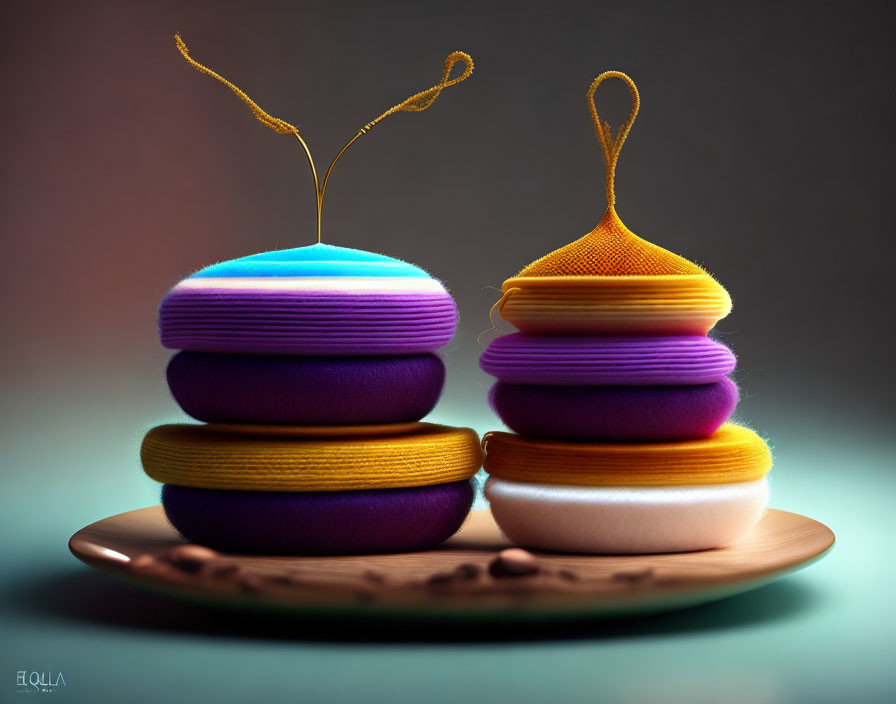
(618, 398)
(310, 369)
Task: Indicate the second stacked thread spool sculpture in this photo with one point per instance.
(618, 397)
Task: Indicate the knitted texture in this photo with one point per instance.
(731, 454)
(614, 305)
(614, 412)
(227, 388)
(611, 281)
(626, 519)
(305, 322)
(624, 360)
(610, 249)
(607, 361)
(330, 523)
(197, 456)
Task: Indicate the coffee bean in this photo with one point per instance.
(513, 562)
(225, 571)
(634, 577)
(468, 571)
(191, 558)
(440, 579)
(144, 563)
(251, 584)
(278, 578)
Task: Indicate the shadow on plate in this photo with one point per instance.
(86, 597)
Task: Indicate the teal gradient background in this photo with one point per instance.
(763, 150)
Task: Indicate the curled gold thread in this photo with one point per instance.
(491, 320)
(611, 147)
(274, 123)
(416, 103)
(499, 304)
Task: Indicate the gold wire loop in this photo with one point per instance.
(416, 103)
(611, 147)
(422, 100)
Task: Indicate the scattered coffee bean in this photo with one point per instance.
(224, 571)
(278, 578)
(251, 584)
(151, 566)
(568, 575)
(144, 563)
(467, 571)
(191, 558)
(440, 579)
(632, 577)
(513, 562)
(374, 577)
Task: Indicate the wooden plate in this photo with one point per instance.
(428, 583)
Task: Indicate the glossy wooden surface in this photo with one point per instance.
(416, 583)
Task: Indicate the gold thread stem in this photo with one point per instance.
(314, 176)
(608, 145)
(268, 120)
(416, 103)
(323, 188)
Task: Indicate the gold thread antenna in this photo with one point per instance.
(275, 123)
(416, 103)
(611, 147)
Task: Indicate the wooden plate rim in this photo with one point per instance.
(506, 599)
